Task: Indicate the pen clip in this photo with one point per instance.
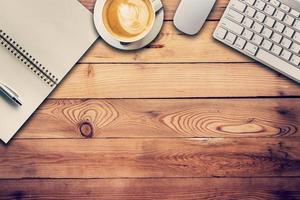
(9, 89)
(10, 93)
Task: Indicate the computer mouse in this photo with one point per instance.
(191, 15)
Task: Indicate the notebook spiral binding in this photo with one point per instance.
(28, 60)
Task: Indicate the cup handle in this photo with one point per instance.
(157, 5)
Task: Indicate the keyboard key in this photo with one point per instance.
(259, 4)
(276, 49)
(296, 37)
(232, 26)
(279, 27)
(251, 48)
(279, 15)
(269, 22)
(269, 9)
(295, 48)
(276, 38)
(275, 3)
(288, 20)
(250, 11)
(285, 54)
(257, 27)
(295, 13)
(257, 39)
(232, 14)
(240, 43)
(288, 32)
(266, 44)
(276, 62)
(230, 38)
(247, 22)
(267, 32)
(251, 2)
(295, 59)
(220, 33)
(260, 16)
(285, 7)
(297, 25)
(240, 6)
(286, 43)
(247, 34)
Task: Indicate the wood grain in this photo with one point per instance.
(78, 145)
(170, 8)
(147, 189)
(170, 46)
(120, 158)
(165, 118)
(174, 80)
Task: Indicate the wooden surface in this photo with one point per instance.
(185, 118)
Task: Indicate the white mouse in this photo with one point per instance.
(191, 15)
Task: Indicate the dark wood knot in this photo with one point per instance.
(18, 195)
(86, 130)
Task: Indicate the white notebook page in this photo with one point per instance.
(55, 32)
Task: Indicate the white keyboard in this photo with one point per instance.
(265, 30)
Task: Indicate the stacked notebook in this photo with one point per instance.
(40, 41)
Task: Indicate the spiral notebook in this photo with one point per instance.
(40, 41)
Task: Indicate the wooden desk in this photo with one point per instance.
(185, 118)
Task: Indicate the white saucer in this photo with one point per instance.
(131, 46)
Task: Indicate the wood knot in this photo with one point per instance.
(86, 130)
(153, 113)
(18, 195)
(155, 46)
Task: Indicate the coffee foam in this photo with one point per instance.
(128, 18)
(133, 16)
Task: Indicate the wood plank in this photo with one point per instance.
(168, 189)
(170, 46)
(170, 8)
(174, 80)
(115, 158)
(165, 118)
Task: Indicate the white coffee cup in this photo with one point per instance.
(126, 21)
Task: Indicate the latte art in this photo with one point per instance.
(128, 19)
(133, 16)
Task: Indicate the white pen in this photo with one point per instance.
(10, 94)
